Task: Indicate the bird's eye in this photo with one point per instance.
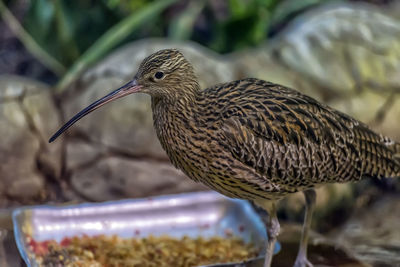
(159, 75)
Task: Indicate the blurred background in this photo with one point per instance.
(57, 56)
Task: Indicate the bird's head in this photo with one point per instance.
(165, 75)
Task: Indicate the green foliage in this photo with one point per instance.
(247, 25)
(67, 28)
(181, 27)
(111, 38)
(78, 33)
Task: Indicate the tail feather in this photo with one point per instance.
(397, 158)
(397, 151)
(380, 153)
(395, 147)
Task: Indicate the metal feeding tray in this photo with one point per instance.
(194, 214)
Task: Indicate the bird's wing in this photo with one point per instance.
(292, 139)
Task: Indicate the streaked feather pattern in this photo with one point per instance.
(258, 140)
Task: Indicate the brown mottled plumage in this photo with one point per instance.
(253, 139)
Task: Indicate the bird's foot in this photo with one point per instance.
(301, 261)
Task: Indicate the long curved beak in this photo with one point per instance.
(129, 88)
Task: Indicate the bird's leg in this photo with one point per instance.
(273, 229)
(301, 259)
(272, 225)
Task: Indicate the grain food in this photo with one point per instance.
(114, 251)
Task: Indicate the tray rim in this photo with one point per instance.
(19, 235)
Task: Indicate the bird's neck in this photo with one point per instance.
(171, 120)
(168, 112)
(176, 102)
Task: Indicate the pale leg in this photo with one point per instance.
(301, 259)
(273, 228)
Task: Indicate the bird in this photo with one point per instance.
(253, 139)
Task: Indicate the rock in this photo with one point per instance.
(260, 63)
(29, 187)
(116, 177)
(125, 125)
(15, 86)
(18, 147)
(321, 250)
(373, 233)
(26, 116)
(210, 67)
(80, 153)
(43, 117)
(360, 42)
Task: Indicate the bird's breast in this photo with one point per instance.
(186, 144)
